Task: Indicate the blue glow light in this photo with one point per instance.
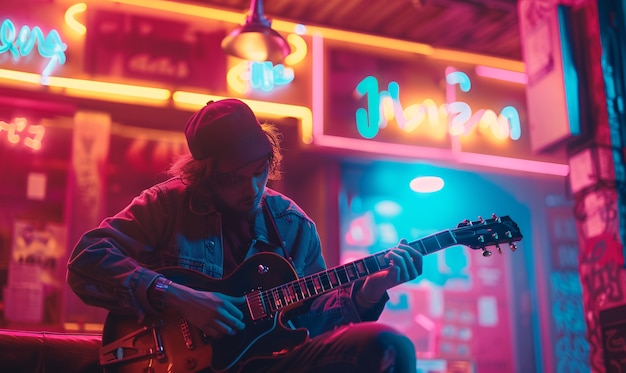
(427, 184)
(21, 44)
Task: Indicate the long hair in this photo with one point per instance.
(192, 171)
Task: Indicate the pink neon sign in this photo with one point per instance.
(21, 44)
(18, 130)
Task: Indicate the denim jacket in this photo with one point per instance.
(169, 224)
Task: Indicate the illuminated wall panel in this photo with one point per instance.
(463, 307)
(408, 99)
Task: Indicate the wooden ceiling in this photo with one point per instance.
(483, 26)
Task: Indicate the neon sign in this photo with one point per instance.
(33, 134)
(262, 76)
(265, 76)
(21, 44)
(457, 116)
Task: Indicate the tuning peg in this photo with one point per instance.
(486, 252)
(494, 216)
(513, 246)
(499, 249)
(480, 219)
(464, 223)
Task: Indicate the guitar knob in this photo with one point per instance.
(486, 252)
(261, 269)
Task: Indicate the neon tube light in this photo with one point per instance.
(501, 74)
(21, 43)
(20, 76)
(117, 89)
(441, 155)
(375, 116)
(19, 130)
(265, 76)
(70, 13)
(404, 151)
(332, 34)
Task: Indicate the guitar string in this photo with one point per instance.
(284, 295)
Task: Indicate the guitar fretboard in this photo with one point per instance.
(309, 286)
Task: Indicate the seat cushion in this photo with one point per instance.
(32, 352)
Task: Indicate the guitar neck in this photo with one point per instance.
(322, 282)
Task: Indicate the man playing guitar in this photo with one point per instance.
(214, 271)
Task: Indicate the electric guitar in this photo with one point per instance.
(168, 343)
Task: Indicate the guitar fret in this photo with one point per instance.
(431, 244)
(310, 286)
(298, 290)
(325, 281)
(334, 279)
(351, 272)
(371, 264)
(283, 297)
(343, 277)
(294, 294)
(277, 298)
(445, 239)
(269, 300)
(361, 268)
(317, 284)
(303, 289)
(422, 249)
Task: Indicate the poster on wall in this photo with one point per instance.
(36, 272)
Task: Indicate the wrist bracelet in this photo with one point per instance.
(157, 292)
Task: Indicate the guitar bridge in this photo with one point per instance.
(124, 350)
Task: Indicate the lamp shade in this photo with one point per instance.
(255, 40)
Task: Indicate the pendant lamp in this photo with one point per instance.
(255, 40)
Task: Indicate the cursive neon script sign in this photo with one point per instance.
(260, 76)
(21, 44)
(18, 130)
(457, 116)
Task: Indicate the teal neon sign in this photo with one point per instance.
(265, 76)
(22, 43)
(458, 116)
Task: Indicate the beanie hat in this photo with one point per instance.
(226, 130)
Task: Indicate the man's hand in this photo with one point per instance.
(406, 264)
(216, 314)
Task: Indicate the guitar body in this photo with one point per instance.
(131, 347)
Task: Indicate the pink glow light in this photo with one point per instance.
(435, 154)
(501, 74)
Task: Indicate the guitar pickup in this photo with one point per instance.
(255, 305)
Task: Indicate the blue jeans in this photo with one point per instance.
(356, 348)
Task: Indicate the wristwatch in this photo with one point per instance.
(157, 292)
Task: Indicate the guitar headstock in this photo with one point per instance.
(488, 232)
